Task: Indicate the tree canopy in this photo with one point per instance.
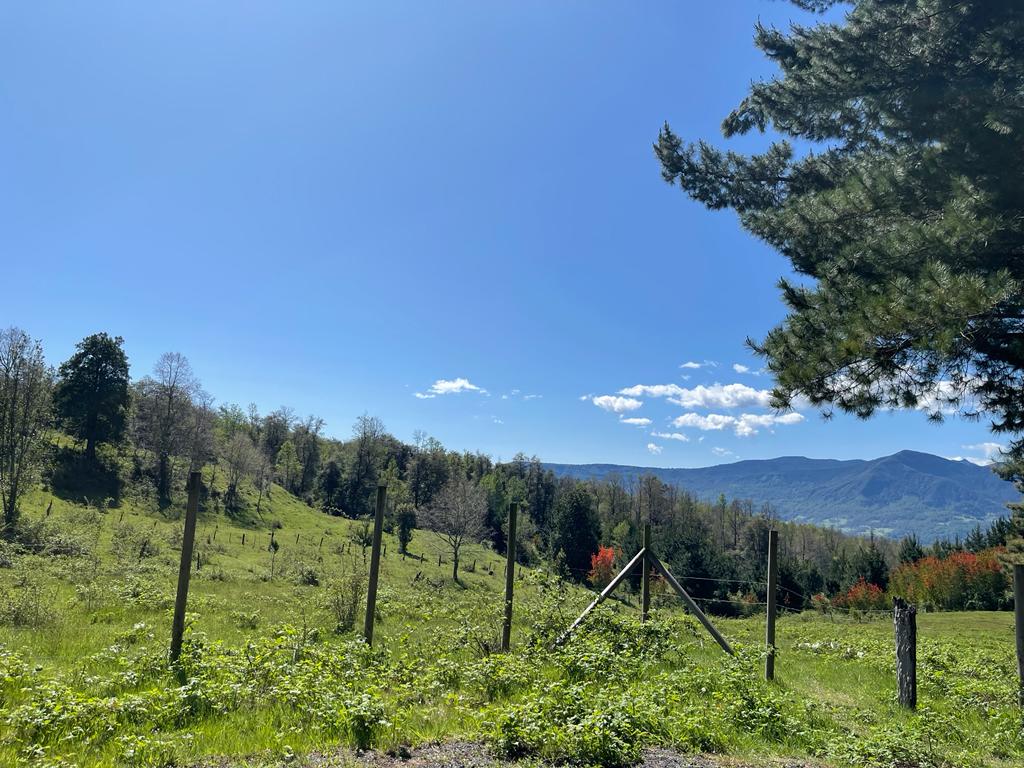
(92, 394)
(904, 218)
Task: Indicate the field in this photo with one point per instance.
(274, 668)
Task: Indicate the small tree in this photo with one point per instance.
(288, 466)
(25, 398)
(91, 397)
(405, 522)
(241, 458)
(602, 567)
(458, 515)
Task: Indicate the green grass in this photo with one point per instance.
(83, 677)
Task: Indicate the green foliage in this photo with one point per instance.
(906, 218)
(577, 531)
(273, 671)
(92, 395)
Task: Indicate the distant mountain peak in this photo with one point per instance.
(906, 492)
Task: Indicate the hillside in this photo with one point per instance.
(277, 675)
(908, 492)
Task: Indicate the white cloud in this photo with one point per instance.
(971, 459)
(671, 436)
(652, 448)
(616, 404)
(532, 397)
(693, 365)
(715, 396)
(704, 423)
(450, 387)
(585, 398)
(636, 421)
(990, 452)
(723, 452)
(740, 368)
(744, 425)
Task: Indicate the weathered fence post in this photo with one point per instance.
(1018, 615)
(510, 573)
(185, 566)
(769, 633)
(904, 617)
(645, 579)
(371, 590)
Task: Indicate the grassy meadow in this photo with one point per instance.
(274, 667)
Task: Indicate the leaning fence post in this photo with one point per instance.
(904, 617)
(185, 567)
(645, 580)
(1018, 615)
(371, 590)
(510, 573)
(773, 575)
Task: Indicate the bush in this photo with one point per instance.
(343, 600)
(129, 543)
(28, 604)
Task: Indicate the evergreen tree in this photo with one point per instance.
(91, 397)
(330, 485)
(910, 550)
(576, 531)
(868, 563)
(405, 522)
(905, 222)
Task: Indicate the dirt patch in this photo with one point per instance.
(461, 754)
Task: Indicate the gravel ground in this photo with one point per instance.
(460, 754)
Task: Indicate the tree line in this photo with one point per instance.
(151, 431)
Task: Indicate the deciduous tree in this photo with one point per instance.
(165, 421)
(25, 406)
(457, 515)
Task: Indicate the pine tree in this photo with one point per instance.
(905, 221)
(576, 531)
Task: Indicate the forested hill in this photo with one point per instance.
(908, 492)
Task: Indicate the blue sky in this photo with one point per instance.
(338, 206)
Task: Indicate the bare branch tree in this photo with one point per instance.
(25, 395)
(165, 420)
(241, 458)
(457, 515)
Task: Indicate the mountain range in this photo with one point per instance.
(907, 492)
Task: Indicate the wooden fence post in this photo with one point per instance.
(371, 590)
(510, 573)
(185, 567)
(645, 580)
(904, 617)
(773, 575)
(1018, 615)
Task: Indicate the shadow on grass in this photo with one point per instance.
(76, 478)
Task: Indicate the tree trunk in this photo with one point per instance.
(90, 448)
(164, 480)
(455, 565)
(905, 620)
